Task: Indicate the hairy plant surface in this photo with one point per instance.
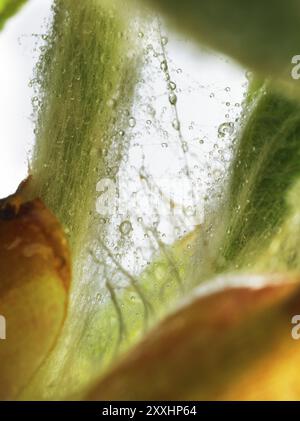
(237, 271)
(264, 171)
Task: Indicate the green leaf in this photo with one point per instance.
(265, 167)
(254, 227)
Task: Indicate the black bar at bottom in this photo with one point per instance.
(136, 410)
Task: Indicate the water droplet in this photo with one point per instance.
(185, 147)
(172, 86)
(164, 66)
(164, 145)
(225, 129)
(217, 173)
(164, 40)
(173, 98)
(189, 211)
(121, 133)
(141, 34)
(227, 89)
(176, 124)
(151, 110)
(132, 122)
(125, 227)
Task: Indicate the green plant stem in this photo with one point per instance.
(86, 79)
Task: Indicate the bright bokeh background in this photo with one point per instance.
(17, 43)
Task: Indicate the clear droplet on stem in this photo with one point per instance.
(125, 227)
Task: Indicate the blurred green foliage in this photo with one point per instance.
(262, 35)
(265, 167)
(8, 8)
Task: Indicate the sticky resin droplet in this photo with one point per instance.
(132, 122)
(172, 98)
(164, 66)
(164, 40)
(226, 128)
(189, 211)
(125, 227)
(185, 147)
(176, 124)
(172, 86)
